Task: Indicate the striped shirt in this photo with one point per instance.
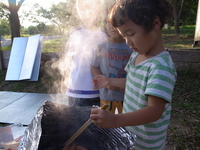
(155, 76)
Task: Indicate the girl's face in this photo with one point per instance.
(137, 39)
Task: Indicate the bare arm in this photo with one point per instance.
(118, 82)
(95, 71)
(101, 81)
(150, 113)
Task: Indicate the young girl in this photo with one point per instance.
(151, 74)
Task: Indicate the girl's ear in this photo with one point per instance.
(156, 23)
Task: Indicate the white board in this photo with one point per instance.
(25, 57)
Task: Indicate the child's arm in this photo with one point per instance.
(152, 112)
(95, 70)
(101, 81)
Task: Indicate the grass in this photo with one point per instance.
(6, 48)
(182, 41)
(184, 30)
(54, 45)
(22, 86)
(184, 129)
(171, 41)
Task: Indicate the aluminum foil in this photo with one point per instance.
(55, 123)
(33, 132)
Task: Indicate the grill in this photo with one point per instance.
(55, 123)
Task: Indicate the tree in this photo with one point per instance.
(32, 30)
(4, 27)
(3, 13)
(178, 9)
(183, 7)
(41, 28)
(4, 23)
(60, 15)
(189, 12)
(13, 7)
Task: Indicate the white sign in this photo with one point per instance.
(25, 57)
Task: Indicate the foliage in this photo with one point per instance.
(42, 28)
(189, 12)
(23, 30)
(60, 15)
(4, 27)
(13, 8)
(4, 13)
(184, 13)
(48, 30)
(32, 30)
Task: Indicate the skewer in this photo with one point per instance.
(84, 126)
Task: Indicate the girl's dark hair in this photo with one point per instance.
(141, 12)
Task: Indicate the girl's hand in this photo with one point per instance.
(102, 118)
(100, 81)
(122, 89)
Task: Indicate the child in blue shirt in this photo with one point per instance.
(110, 59)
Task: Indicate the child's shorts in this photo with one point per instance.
(113, 105)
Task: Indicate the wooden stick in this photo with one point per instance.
(84, 126)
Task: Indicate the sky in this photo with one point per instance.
(28, 3)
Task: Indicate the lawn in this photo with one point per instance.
(182, 41)
(184, 130)
(171, 41)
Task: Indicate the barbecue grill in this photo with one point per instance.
(55, 123)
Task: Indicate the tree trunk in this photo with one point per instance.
(176, 23)
(14, 24)
(1, 58)
(177, 13)
(14, 18)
